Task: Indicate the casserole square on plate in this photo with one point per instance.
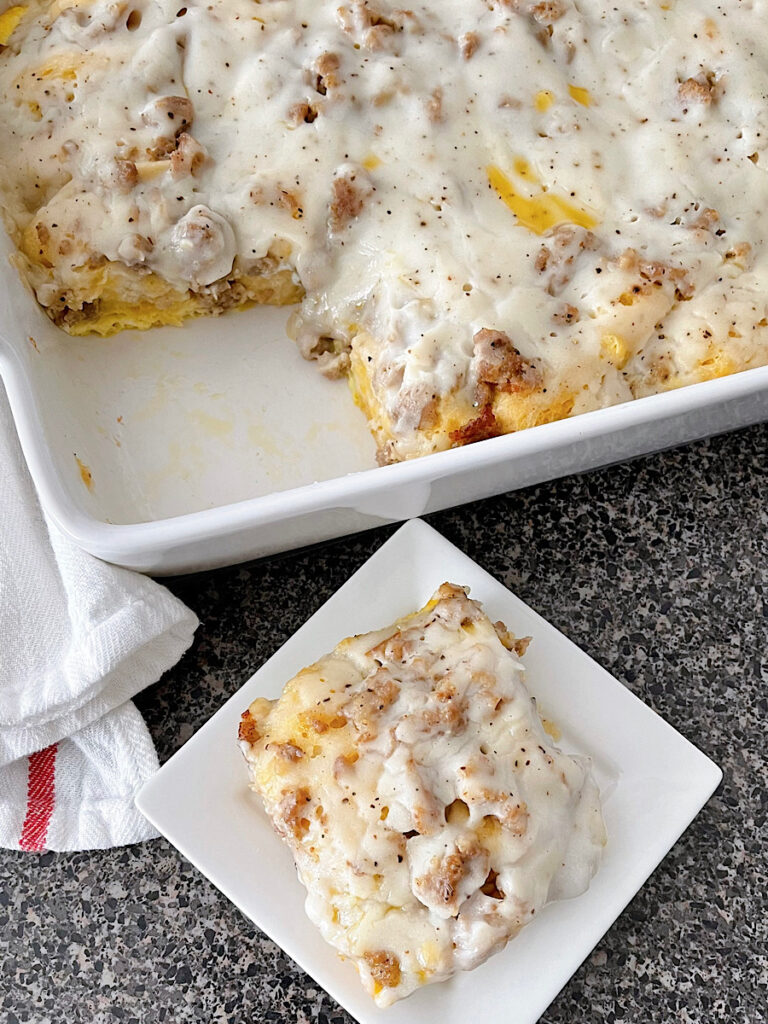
(653, 782)
(429, 812)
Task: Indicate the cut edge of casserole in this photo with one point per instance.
(103, 296)
(498, 407)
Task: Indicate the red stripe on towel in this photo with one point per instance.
(40, 797)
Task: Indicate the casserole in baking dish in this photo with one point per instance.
(492, 214)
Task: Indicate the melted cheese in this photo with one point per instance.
(429, 812)
(541, 211)
(379, 150)
(9, 21)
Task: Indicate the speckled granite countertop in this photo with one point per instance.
(658, 569)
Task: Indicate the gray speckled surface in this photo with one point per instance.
(658, 569)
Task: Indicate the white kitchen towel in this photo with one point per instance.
(78, 638)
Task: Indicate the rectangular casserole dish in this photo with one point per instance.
(174, 451)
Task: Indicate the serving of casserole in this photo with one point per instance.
(489, 214)
(430, 814)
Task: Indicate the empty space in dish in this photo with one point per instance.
(176, 420)
(145, 426)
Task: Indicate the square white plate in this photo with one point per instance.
(653, 783)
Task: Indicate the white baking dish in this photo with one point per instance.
(216, 443)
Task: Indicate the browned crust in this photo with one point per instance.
(384, 968)
(248, 731)
(478, 429)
